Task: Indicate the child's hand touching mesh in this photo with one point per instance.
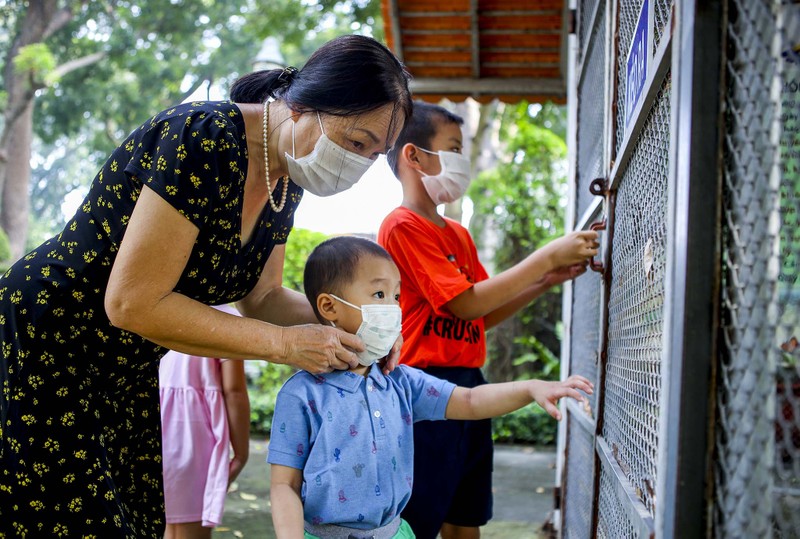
(547, 394)
(573, 248)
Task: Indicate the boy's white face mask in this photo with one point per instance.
(452, 181)
(380, 328)
(328, 169)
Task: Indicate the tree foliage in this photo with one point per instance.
(300, 245)
(110, 65)
(524, 197)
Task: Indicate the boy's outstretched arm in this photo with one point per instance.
(287, 506)
(492, 400)
(521, 279)
(550, 279)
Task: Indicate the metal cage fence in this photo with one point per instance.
(591, 112)
(636, 306)
(753, 388)
(757, 440)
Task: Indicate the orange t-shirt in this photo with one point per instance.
(436, 265)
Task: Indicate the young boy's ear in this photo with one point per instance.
(410, 154)
(327, 308)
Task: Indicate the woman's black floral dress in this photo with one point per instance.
(80, 433)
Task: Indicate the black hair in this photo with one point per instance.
(332, 265)
(420, 128)
(347, 76)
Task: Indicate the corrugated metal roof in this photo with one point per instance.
(485, 49)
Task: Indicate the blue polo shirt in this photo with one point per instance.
(353, 438)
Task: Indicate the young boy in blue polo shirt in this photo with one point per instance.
(341, 446)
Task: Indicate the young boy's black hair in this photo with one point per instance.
(332, 264)
(420, 128)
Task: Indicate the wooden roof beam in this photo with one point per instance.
(500, 86)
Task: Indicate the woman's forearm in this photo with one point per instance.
(185, 325)
(281, 306)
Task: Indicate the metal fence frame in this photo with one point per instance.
(692, 281)
(691, 61)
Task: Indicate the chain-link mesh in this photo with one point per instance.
(746, 420)
(585, 333)
(579, 486)
(591, 116)
(586, 9)
(756, 479)
(787, 382)
(636, 302)
(612, 519)
(661, 13)
(787, 410)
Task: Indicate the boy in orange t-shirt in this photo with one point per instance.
(448, 302)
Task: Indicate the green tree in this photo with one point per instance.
(525, 197)
(89, 72)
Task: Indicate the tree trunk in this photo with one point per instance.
(42, 19)
(15, 202)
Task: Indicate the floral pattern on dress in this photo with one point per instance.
(80, 433)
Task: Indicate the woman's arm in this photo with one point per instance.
(271, 302)
(140, 298)
(287, 507)
(237, 408)
(492, 400)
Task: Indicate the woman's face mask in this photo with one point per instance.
(452, 181)
(380, 328)
(328, 169)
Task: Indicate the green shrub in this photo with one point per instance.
(262, 408)
(530, 425)
(263, 392)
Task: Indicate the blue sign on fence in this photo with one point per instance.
(638, 61)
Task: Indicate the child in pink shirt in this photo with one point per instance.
(205, 411)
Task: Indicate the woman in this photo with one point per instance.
(192, 210)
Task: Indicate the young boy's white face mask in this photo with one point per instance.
(380, 328)
(452, 181)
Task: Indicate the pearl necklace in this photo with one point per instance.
(275, 207)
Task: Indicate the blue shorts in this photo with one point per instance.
(452, 467)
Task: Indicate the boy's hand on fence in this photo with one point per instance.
(573, 248)
(563, 274)
(547, 394)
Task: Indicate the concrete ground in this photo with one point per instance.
(523, 495)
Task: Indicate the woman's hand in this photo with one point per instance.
(389, 363)
(319, 349)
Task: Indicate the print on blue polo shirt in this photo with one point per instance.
(358, 461)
